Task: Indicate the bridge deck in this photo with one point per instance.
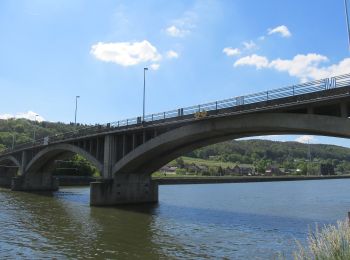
(287, 99)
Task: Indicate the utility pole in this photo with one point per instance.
(309, 156)
(76, 110)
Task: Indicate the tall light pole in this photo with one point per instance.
(34, 128)
(76, 109)
(347, 21)
(144, 93)
(13, 140)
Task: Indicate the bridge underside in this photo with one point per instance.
(132, 183)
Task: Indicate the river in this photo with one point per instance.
(209, 221)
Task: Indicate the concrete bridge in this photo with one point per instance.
(127, 152)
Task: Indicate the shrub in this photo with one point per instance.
(332, 242)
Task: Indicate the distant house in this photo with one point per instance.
(239, 170)
(247, 170)
(272, 170)
(168, 169)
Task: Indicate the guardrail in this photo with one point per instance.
(290, 91)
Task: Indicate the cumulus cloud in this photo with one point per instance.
(155, 66)
(249, 45)
(182, 26)
(305, 139)
(253, 60)
(172, 54)
(126, 53)
(281, 30)
(174, 31)
(30, 115)
(305, 67)
(229, 51)
(302, 66)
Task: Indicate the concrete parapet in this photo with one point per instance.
(124, 189)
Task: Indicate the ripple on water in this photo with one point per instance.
(229, 221)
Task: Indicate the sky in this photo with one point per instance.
(197, 51)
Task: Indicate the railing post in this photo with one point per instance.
(267, 95)
(152, 117)
(127, 122)
(118, 123)
(199, 108)
(216, 105)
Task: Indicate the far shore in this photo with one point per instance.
(186, 179)
(171, 180)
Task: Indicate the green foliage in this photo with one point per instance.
(180, 162)
(22, 130)
(180, 171)
(330, 243)
(77, 166)
(289, 155)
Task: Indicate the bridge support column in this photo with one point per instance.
(109, 156)
(124, 189)
(344, 110)
(40, 182)
(6, 175)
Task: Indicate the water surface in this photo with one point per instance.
(225, 221)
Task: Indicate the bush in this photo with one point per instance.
(330, 243)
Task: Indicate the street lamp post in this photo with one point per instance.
(13, 141)
(347, 20)
(76, 109)
(144, 93)
(34, 133)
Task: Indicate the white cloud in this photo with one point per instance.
(282, 30)
(182, 26)
(253, 60)
(305, 67)
(174, 31)
(155, 66)
(249, 45)
(305, 139)
(126, 53)
(30, 115)
(229, 51)
(172, 54)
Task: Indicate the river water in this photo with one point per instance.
(212, 221)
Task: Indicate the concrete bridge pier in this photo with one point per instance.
(38, 182)
(6, 176)
(124, 189)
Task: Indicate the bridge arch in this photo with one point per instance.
(9, 159)
(9, 168)
(155, 153)
(50, 153)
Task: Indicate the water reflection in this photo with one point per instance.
(232, 221)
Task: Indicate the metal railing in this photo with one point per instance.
(290, 91)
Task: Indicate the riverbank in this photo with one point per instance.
(171, 180)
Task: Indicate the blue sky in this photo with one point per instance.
(197, 51)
